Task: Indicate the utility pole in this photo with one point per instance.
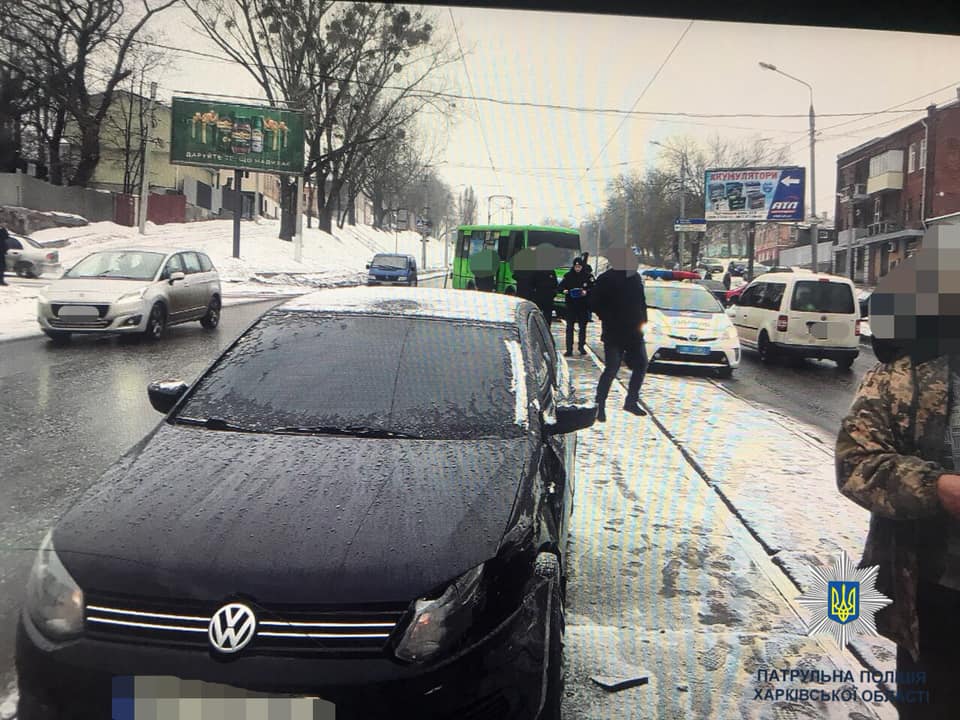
(237, 211)
(145, 165)
(683, 206)
(851, 231)
(298, 237)
(751, 238)
(626, 220)
(814, 231)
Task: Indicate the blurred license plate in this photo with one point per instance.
(693, 349)
(819, 330)
(170, 698)
(78, 311)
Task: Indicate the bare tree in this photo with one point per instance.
(359, 70)
(77, 46)
(468, 207)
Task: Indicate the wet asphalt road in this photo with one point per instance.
(814, 392)
(67, 413)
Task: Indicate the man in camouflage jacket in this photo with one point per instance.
(892, 459)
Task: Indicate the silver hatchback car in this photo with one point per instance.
(131, 291)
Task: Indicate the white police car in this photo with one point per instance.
(687, 326)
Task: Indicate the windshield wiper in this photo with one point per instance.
(356, 431)
(212, 423)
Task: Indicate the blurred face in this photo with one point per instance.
(918, 302)
(622, 258)
(577, 267)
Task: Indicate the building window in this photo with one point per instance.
(912, 158)
(923, 154)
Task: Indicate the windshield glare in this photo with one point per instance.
(395, 262)
(429, 379)
(122, 265)
(683, 299)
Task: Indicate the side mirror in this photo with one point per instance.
(735, 300)
(571, 418)
(368, 266)
(164, 394)
(176, 276)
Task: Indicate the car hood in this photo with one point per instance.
(200, 514)
(702, 324)
(95, 290)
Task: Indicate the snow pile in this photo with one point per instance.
(266, 265)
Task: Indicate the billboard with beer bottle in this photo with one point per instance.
(230, 135)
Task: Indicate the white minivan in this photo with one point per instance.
(804, 315)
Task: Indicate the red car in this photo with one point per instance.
(735, 293)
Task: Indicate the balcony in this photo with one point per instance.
(892, 180)
(886, 172)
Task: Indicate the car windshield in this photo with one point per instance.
(415, 377)
(393, 262)
(822, 297)
(118, 264)
(683, 298)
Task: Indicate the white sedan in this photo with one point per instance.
(687, 326)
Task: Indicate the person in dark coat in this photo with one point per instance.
(576, 286)
(523, 265)
(618, 299)
(544, 291)
(4, 237)
(484, 266)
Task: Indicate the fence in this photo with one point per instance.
(24, 191)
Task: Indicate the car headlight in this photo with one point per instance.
(730, 333)
(439, 623)
(131, 298)
(54, 600)
(371, 277)
(654, 330)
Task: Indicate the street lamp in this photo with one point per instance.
(814, 234)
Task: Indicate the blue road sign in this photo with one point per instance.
(758, 194)
(690, 225)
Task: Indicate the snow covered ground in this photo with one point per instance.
(266, 264)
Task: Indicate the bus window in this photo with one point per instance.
(567, 243)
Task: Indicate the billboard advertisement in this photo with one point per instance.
(758, 194)
(230, 135)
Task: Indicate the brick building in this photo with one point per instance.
(891, 188)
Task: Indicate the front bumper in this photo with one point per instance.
(388, 281)
(500, 676)
(717, 355)
(127, 319)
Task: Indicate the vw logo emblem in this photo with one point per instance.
(694, 337)
(232, 627)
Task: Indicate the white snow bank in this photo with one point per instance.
(266, 264)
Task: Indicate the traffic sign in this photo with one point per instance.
(759, 194)
(689, 225)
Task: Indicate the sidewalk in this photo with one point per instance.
(775, 473)
(667, 581)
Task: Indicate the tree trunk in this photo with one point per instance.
(89, 153)
(53, 148)
(352, 205)
(378, 212)
(326, 200)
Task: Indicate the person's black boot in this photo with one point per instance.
(601, 414)
(568, 353)
(583, 351)
(634, 408)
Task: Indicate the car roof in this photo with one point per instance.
(156, 251)
(802, 275)
(412, 302)
(674, 284)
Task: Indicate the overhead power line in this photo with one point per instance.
(642, 93)
(633, 113)
(466, 71)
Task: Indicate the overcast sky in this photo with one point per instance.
(606, 61)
